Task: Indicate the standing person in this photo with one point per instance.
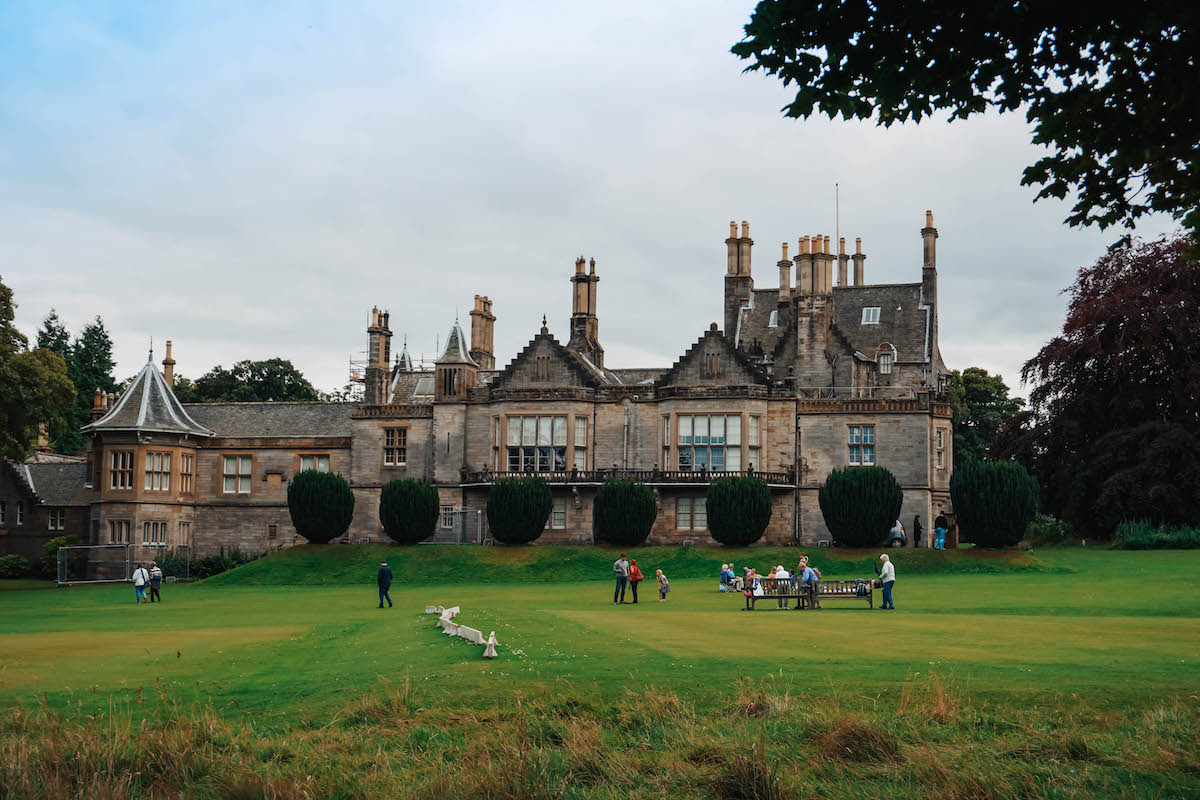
(140, 579)
(917, 530)
(384, 579)
(664, 585)
(635, 577)
(887, 577)
(939, 535)
(621, 573)
(809, 579)
(781, 573)
(155, 581)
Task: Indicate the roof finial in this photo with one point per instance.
(544, 328)
(150, 359)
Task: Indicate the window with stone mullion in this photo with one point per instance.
(537, 444)
(711, 442)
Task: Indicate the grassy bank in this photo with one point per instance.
(400, 741)
(340, 565)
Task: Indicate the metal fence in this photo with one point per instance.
(115, 563)
(460, 526)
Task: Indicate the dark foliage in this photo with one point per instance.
(739, 510)
(1109, 89)
(1146, 536)
(321, 505)
(34, 386)
(13, 566)
(1115, 415)
(174, 563)
(517, 509)
(860, 505)
(980, 406)
(624, 512)
(221, 562)
(994, 502)
(409, 510)
(247, 382)
(49, 565)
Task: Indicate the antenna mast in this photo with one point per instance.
(837, 215)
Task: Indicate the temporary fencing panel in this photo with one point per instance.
(459, 526)
(113, 563)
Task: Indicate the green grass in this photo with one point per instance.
(1092, 644)
(341, 565)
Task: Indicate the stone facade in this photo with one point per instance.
(816, 375)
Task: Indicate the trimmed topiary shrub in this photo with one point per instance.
(517, 509)
(624, 512)
(738, 510)
(13, 566)
(860, 505)
(994, 502)
(409, 510)
(321, 505)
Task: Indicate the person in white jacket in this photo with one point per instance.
(141, 579)
(887, 577)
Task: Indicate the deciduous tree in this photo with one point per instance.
(248, 382)
(1114, 431)
(34, 387)
(980, 405)
(1110, 89)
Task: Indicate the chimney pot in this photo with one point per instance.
(928, 218)
(732, 229)
(785, 255)
(858, 245)
(745, 229)
(842, 246)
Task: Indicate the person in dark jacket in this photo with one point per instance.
(917, 530)
(384, 579)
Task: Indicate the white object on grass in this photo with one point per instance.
(490, 650)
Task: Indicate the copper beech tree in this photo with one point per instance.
(1113, 432)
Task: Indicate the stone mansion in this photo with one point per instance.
(819, 372)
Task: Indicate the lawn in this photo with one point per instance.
(1073, 632)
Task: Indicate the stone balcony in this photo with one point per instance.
(651, 477)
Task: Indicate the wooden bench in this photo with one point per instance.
(791, 589)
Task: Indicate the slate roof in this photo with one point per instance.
(754, 322)
(59, 484)
(148, 405)
(902, 321)
(456, 349)
(273, 418)
(639, 375)
(412, 387)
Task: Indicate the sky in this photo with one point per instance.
(250, 179)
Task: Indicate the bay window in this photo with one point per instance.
(709, 442)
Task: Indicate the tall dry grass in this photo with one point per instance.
(756, 742)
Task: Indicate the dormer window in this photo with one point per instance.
(885, 363)
(870, 315)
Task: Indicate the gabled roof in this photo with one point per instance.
(587, 372)
(905, 321)
(149, 406)
(756, 373)
(456, 349)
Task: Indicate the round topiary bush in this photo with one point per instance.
(409, 510)
(321, 505)
(517, 509)
(624, 512)
(738, 510)
(860, 505)
(994, 502)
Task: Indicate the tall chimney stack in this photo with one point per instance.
(98, 404)
(482, 323)
(744, 245)
(859, 258)
(929, 236)
(785, 277)
(731, 245)
(843, 262)
(804, 272)
(169, 366)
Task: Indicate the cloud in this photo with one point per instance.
(250, 182)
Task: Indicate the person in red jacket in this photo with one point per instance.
(635, 577)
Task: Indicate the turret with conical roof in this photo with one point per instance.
(148, 406)
(455, 368)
